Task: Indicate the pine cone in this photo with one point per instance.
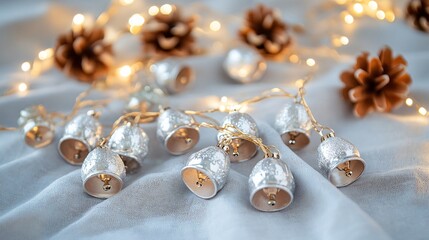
(83, 54)
(265, 31)
(417, 14)
(169, 35)
(379, 83)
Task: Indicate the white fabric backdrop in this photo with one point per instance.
(41, 196)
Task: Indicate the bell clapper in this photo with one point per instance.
(106, 180)
(347, 170)
(183, 134)
(201, 179)
(78, 153)
(292, 138)
(235, 145)
(272, 195)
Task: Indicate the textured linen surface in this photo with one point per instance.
(41, 196)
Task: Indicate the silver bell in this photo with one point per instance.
(147, 99)
(340, 160)
(172, 76)
(244, 64)
(103, 173)
(240, 149)
(131, 143)
(176, 132)
(81, 135)
(294, 125)
(206, 172)
(38, 129)
(271, 185)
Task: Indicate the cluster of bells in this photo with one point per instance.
(271, 183)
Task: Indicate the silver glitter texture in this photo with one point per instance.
(102, 160)
(170, 121)
(172, 76)
(214, 162)
(131, 141)
(271, 173)
(293, 118)
(334, 151)
(146, 99)
(244, 64)
(36, 116)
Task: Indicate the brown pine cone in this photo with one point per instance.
(169, 35)
(84, 54)
(265, 30)
(417, 14)
(379, 83)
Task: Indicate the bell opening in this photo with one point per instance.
(74, 151)
(182, 140)
(103, 185)
(39, 136)
(346, 172)
(183, 78)
(295, 140)
(241, 150)
(271, 199)
(199, 182)
(131, 164)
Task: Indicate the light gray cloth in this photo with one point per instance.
(41, 196)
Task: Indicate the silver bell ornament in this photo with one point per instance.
(294, 125)
(244, 64)
(206, 171)
(172, 76)
(103, 173)
(271, 185)
(240, 149)
(147, 99)
(80, 137)
(131, 143)
(176, 131)
(339, 160)
(38, 128)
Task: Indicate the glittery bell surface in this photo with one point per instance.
(294, 125)
(271, 185)
(240, 149)
(206, 171)
(81, 135)
(38, 129)
(176, 132)
(103, 173)
(172, 76)
(340, 161)
(244, 64)
(148, 99)
(132, 144)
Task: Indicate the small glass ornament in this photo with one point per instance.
(81, 135)
(206, 171)
(294, 125)
(240, 149)
(176, 131)
(38, 128)
(131, 143)
(271, 185)
(172, 76)
(244, 64)
(148, 99)
(103, 173)
(339, 160)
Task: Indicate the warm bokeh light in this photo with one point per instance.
(25, 66)
(372, 5)
(294, 58)
(125, 71)
(344, 40)
(215, 26)
(390, 16)
(78, 19)
(409, 102)
(166, 9)
(423, 111)
(22, 87)
(45, 54)
(380, 14)
(136, 20)
(126, 2)
(310, 62)
(349, 19)
(153, 10)
(358, 8)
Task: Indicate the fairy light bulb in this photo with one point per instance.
(344, 40)
(126, 2)
(358, 8)
(310, 62)
(294, 58)
(78, 19)
(349, 19)
(215, 26)
(422, 111)
(25, 66)
(22, 87)
(46, 54)
(372, 5)
(380, 14)
(153, 10)
(390, 16)
(136, 20)
(409, 102)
